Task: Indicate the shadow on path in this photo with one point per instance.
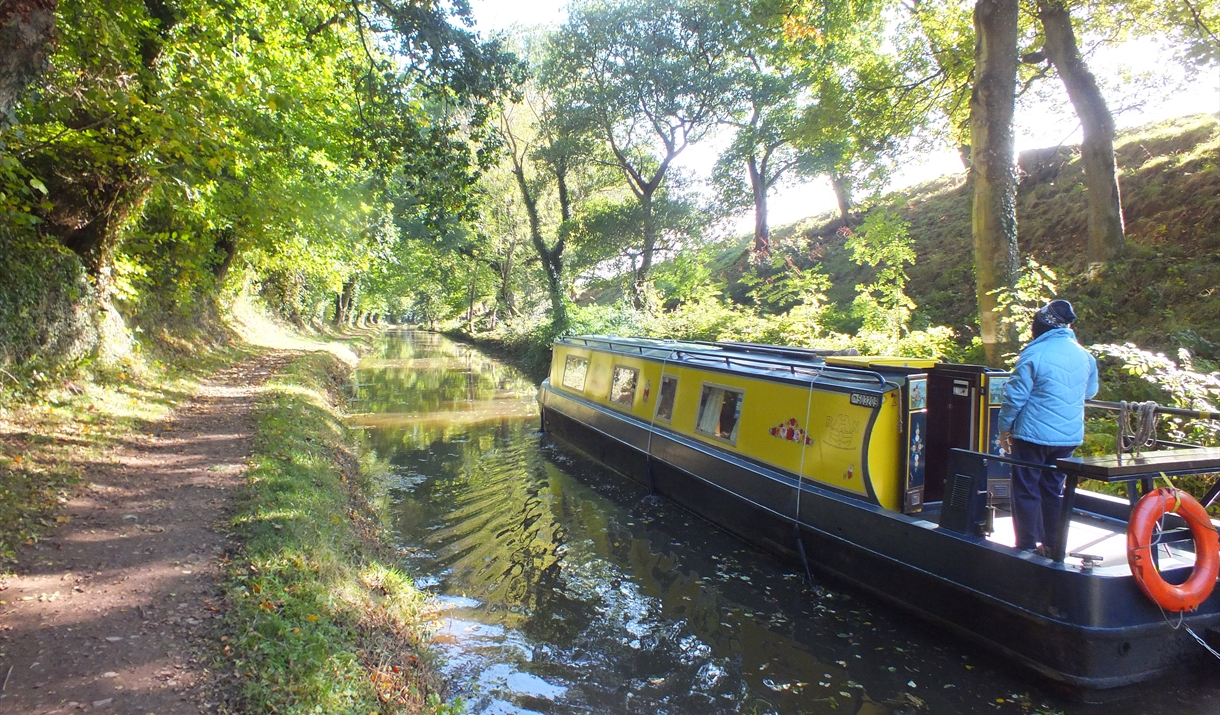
(114, 609)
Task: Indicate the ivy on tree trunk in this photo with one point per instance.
(992, 172)
(27, 29)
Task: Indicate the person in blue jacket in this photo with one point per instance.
(1042, 420)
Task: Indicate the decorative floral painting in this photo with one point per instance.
(791, 431)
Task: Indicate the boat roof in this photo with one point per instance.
(775, 361)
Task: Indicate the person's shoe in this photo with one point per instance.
(1043, 551)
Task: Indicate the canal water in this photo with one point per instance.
(564, 588)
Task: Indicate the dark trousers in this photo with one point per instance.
(1037, 494)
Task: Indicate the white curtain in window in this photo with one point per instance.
(709, 417)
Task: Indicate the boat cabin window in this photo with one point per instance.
(574, 371)
(665, 401)
(719, 412)
(622, 388)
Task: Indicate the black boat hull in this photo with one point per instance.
(1080, 628)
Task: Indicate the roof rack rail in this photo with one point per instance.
(844, 374)
(782, 350)
(766, 359)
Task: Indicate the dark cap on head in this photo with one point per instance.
(1055, 314)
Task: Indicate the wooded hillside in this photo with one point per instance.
(1164, 293)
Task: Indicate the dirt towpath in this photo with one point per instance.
(115, 610)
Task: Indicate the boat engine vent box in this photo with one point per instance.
(965, 508)
(963, 413)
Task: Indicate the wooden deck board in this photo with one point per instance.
(1111, 468)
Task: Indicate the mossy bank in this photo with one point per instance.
(319, 618)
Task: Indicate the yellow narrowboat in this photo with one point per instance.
(883, 473)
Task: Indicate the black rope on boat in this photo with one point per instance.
(652, 425)
(800, 547)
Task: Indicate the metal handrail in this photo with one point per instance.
(1193, 414)
(1009, 460)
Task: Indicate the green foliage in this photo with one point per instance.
(1183, 382)
(867, 96)
(883, 307)
(883, 243)
(653, 77)
(43, 318)
(786, 286)
(178, 147)
(688, 277)
(1189, 383)
(1017, 305)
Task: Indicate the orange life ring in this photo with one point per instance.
(1144, 517)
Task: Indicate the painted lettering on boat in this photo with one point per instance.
(841, 432)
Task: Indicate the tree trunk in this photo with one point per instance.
(226, 244)
(565, 198)
(343, 306)
(507, 297)
(842, 188)
(470, 306)
(640, 279)
(27, 29)
(110, 198)
(552, 258)
(762, 232)
(992, 172)
(1106, 231)
(963, 153)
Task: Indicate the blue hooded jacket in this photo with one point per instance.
(1044, 398)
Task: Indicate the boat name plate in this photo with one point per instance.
(865, 400)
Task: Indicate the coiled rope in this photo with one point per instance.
(1130, 438)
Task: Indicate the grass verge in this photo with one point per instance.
(319, 618)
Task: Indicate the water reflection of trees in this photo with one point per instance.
(404, 389)
(416, 379)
